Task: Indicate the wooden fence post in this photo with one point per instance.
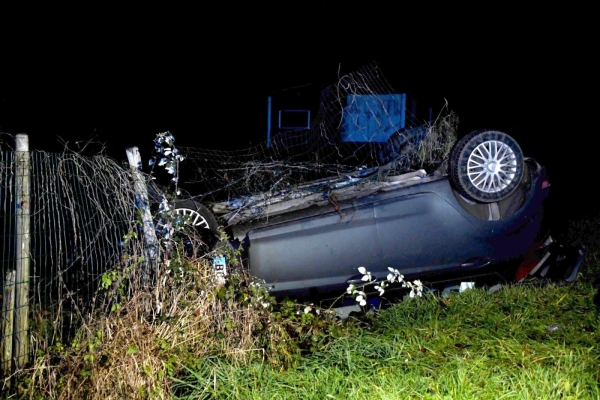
(8, 320)
(141, 194)
(22, 232)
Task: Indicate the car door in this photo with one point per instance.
(422, 234)
(315, 254)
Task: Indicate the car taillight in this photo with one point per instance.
(534, 259)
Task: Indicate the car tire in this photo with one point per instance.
(199, 216)
(486, 166)
(204, 223)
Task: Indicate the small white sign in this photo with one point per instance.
(220, 267)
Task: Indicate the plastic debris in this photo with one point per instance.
(466, 286)
(344, 312)
(494, 288)
(553, 328)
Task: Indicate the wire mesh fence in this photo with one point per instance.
(362, 124)
(80, 210)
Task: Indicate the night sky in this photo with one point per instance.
(119, 75)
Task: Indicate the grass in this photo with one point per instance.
(523, 342)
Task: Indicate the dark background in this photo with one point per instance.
(118, 75)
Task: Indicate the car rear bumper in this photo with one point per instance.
(552, 261)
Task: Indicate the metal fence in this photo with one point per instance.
(58, 240)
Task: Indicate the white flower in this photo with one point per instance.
(367, 274)
(395, 275)
(361, 298)
(350, 289)
(419, 287)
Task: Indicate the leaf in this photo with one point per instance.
(106, 281)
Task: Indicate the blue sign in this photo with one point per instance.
(373, 118)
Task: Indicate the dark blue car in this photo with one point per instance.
(481, 215)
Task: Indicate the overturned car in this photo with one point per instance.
(483, 218)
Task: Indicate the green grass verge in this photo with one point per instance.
(523, 342)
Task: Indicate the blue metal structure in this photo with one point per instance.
(373, 118)
(269, 122)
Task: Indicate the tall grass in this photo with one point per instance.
(520, 343)
(146, 340)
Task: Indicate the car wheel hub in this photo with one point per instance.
(193, 217)
(492, 166)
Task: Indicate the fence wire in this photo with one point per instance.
(7, 259)
(81, 210)
(294, 158)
